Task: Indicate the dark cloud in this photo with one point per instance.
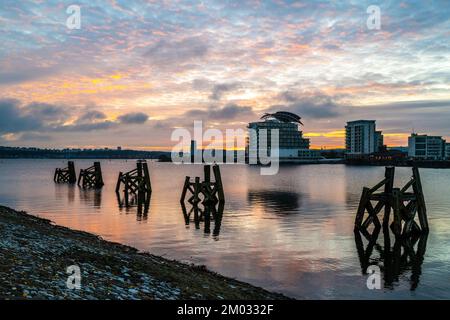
(219, 89)
(82, 127)
(132, 118)
(91, 116)
(31, 136)
(36, 118)
(13, 119)
(228, 112)
(316, 106)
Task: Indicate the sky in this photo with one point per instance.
(135, 71)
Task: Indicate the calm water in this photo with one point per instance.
(291, 233)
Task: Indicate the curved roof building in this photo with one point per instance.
(283, 116)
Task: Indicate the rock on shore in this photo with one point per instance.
(35, 254)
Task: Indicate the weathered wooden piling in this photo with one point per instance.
(205, 213)
(394, 198)
(207, 191)
(136, 184)
(65, 175)
(393, 259)
(91, 177)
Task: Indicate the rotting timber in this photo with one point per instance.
(91, 177)
(137, 187)
(403, 202)
(65, 175)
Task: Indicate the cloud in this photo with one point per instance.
(13, 119)
(177, 51)
(219, 89)
(312, 105)
(92, 116)
(36, 118)
(227, 112)
(133, 118)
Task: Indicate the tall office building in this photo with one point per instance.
(422, 146)
(361, 138)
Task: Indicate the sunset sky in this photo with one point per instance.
(136, 70)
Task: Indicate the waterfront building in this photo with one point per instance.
(362, 138)
(422, 146)
(292, 145)
(447, 151)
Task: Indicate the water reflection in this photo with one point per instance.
(275, 201)
(65, 190)
(406, 254)
(205, 215)
(92, 197)
(140, 201)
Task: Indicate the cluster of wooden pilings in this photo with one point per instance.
(403, 202)
(206, 199)
(137, 188)
(133, 188)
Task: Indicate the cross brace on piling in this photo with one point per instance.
(91, 177)
(65, 175)
(403, 203)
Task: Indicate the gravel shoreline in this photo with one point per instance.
(35, 255)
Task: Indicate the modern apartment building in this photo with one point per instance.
(362, 138)
(422, 146)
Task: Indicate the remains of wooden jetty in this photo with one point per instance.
(209, 212)
(91, 177)
(206, 191)
(405, 254)
(136, 185)
(404, 204)
(65, 175)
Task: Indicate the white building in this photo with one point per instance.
(292, 146)
(422, 146)
(361, 138)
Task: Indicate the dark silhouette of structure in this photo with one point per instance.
(404, 204)
(207, 191)
(137, 188)
(91, 177)
(404, 255)
(65, 175)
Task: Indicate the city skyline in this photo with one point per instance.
(133, 72)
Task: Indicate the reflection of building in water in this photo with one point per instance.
(406, 254)
(204, 214)
(274, 200)
(92, 197)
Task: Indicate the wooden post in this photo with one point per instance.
(421, 208)
(185, 188)
(389, 174)
(397, 223)
(218, 182)
(362, 207)
(147, 177)
(72, 174)
(118, 182)
(98, 175)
